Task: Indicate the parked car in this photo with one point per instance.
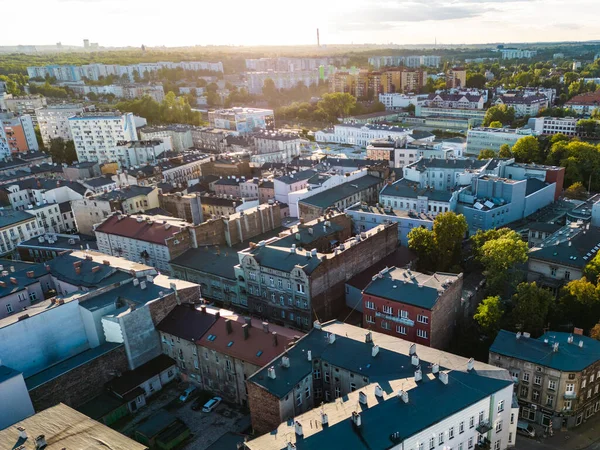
(525, 429)
(186, 394)
(211, 404)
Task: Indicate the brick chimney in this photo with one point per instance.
(245, 329)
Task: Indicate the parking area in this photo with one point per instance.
(205, 428)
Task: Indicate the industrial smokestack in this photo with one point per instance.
(318, 40)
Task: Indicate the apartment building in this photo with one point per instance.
(139, 153)
(150, 240)
(209, 139)
(555, 375)
(242, 120)
(523, 104)
(54, 121)
(96, 135)
(184, 167)
(338, 381)
(548, 126)
(418, 307)
(584, 104)
(412, 80)
(460, 101)
(456, 78)
(395, 101)
(292, 278)
(177, 137)
(517, 53)
(16, 227)
(25, 104)
(90, 211)
(408, 61)
(124, 91)
(28, 192)
(17, 134)
(399, 153)
(493, 138)
(282, 79)
(358, 134)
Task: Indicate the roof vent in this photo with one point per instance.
(555, 347)
(324, 419)
(317, 325)
(518, 336)
(143, 285)
(443, 377)
(403, 395)
(375, 350)
(470, 364)
(271, 373)
(580, 344)
(526, 334)
(418, 374)
(415, 360)
(435, 368)
(136, 281)
(378, 391)
(362, 398)
(413, 349)
(40, 442)
(369, 337)
(356, 419)
(285, 361)
(570, 339)
(331, 338)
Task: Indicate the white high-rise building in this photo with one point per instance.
(96, 134)
(54, 121)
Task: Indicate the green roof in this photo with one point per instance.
(409, 189)
(567, 358)
(156, 423)
(409, 287)
(209, 261)
(576, 252)
(333, 195)
(100, 406)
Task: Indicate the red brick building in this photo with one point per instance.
(413, 306)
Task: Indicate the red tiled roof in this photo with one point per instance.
(247, 349)
(144, 231)
(589, 98)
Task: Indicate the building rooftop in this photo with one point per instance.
(127, 295)
(131, 379)
(333, 195)
(545, 227)
(410, 189)
(82, 272)
(61, 241)
(588, 99)
(6, 373)
(575, 251)
(99, 181)
(410, 287)
(298, 176)
(12, 217)
(100, 406)
(125, 193)
(187, 322)
(392, 370)
(399, 258)
(378, 209)
(568, 357)
(458, 164)
(65, 428)
(142, 228)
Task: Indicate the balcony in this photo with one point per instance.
(570, 395)
(483, 427)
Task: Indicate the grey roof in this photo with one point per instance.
(210, 261)
(330, 196)
(463, 164)
(65, 207)
(130, 293)
(62, 242)
(6, 373)
(409, 287)
(409, 189)
(455, 97)
(582, 248)
(349, 162)
(568, 358)
(8, 218)
(186, 322)
(98, 181)
(421, 134)
(62, 267)
(298, 176)
(125, 193)
(545, 227)
(534, 185)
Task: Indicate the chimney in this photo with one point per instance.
(414, 360)
(298, 427)
(106, 262)
(95, 269)
(12, 269)
(580, 344)
(403, 396)
(378, 391)
(13, 280)
(375, 351)
(77, 270)
(526, 334)
(317, 325)
(274, 334)
(3, 283)
(356, 420)
(143, 285)
(285, 361)
(413, 349)
(443, 377)
(265, 327)
(48, 269)
(203, 309)
(31, 274)
(40, 442)
(245, 330)
(518, 335)
(324, 419)
(362, 398)
(418, 374)
(228, 326)
(331, 338)
(248, 321)
(555, 347)
(470, 364)
(369, 337)
(217, 315)
(22, 433)
(290, 446)
(271, 372)
(570, 339)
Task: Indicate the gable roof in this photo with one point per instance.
(130, 227)
(330, 196)
(133, 378)
(576, 252)
(186, 322)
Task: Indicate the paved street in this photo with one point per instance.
(586, 437)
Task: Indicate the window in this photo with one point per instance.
(300, 288)
(549, 400)
(567, 275)
(9, 308)
(422, 334)
(317, 374)
(441, 438)
(385, 325)
(552, 385)
(535, 395)
(501, 406)
(307, 392)
(32, 296)
(196, 365)
(451, 433)
(352, 387)
(369, 319)
(422, 319)
(461, 428)
(298, 398)
(480, 417)
(472, 422)
(498, 426)
(403, 314)
(431, 443)
(388, 309)
(512, 418)
(326, 377)
(337, 392)
(526, 377)
(567, 405)
(553, 271)
(369, 305)
(470, 442)
(400, 329)
(497, 445)
(537, 380)
(583, 383)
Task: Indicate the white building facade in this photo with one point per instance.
(54, 121)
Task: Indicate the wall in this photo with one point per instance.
(82, 383)
(243, 226)
(264, 409)
(211, 232)
(445, 314)
(186, 207)
(40, 342)
(15, 404)
(141, 338)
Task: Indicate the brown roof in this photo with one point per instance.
(186, 322)
(589, 98)
(129, 227)
(258, 349)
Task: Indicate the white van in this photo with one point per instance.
(525, 429)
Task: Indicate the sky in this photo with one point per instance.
(280, 22)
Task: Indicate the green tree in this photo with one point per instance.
(499, 113)
(576, 191)
(592, 269)
(496, 124)
(270, 92)
(588, 126)
(531, 305)
(505, 151)
(486, 153)
(489, 314)
(499, 257)
(527, 149)
(336, 105)
(595, 332)
(579, 304)
(38, 138)
(440, 248)
(476, 80)
(61, 151)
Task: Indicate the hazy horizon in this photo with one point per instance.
(266, 22)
